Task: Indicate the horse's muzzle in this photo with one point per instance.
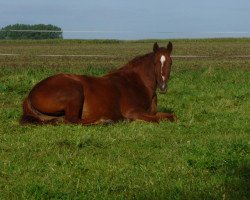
(163, 88)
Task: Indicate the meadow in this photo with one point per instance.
(205, 155)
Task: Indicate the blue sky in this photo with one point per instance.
(137, 18)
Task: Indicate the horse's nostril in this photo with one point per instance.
(163, 87)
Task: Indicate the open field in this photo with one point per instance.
(203, 156)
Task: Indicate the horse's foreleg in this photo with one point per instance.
(166, 116)
(87, 122)
(143, 116)
(152, 117)
(153, 107)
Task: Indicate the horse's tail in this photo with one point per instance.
(31, 115)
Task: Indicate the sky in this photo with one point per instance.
(133, 19)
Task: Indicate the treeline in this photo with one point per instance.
(27, 31)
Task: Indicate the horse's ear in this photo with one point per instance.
(155, 47)
(170, 47)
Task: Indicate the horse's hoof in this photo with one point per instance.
(173, 118)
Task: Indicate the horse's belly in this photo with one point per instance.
(101, 105)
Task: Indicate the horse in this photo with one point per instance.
(127, 93)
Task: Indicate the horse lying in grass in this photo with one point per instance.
(128, 93)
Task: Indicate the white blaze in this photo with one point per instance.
(163, 59)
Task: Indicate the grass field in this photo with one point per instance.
(203, 156)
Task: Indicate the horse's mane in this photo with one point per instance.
(134, 62)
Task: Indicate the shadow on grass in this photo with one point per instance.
(83, 143)
(237, 183)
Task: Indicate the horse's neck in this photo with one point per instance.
(145, 70)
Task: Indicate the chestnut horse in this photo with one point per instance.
(127, 93)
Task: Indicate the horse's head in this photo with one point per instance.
(162, 64)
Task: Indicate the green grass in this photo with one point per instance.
(203, 156)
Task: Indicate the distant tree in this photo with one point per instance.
(26, 31)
